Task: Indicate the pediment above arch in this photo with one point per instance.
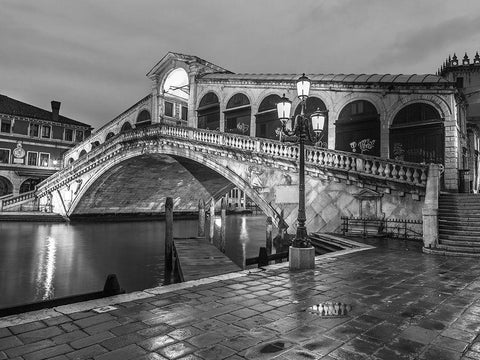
(191, 64)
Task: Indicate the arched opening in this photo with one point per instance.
(267, 123)
(358, 128)
(109, 136)
(95, 144)
(238, 115)
(143, 119)
(70, 161)
(417, 135)
(6, 186)
(82, 153)
(176, 92)
(29, 185)
(209, 112)
(125, 127)
(313, 104)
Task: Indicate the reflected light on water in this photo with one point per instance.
(218, 221)
(46, 270)
(244, 239)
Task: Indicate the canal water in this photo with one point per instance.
(41, 261)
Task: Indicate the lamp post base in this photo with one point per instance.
(301, 258)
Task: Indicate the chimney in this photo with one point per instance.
(55, 110)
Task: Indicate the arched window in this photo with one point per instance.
(238, 114)
(358, 128)
(313, 104)
(70, 161)
(95, 144)
(109, 136)
(125, 127)
(143, 119)
(417, 135)
(6, 186)
(29, 185)
(267, 123)
(209, 112)
(82, 153)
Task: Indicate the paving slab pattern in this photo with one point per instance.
(404, 305)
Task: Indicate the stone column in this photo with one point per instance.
(430, 208)
(223, 225)
(212, 220)
(192, 120)
(452, 149)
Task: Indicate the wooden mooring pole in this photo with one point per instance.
(201, 218)
(212, 220)
(168, 239)
(223, 225)
(268, 244)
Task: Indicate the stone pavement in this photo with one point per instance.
(404, 305)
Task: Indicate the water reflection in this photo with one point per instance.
(42, 261)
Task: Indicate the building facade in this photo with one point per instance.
(414, 118)
(32, 143)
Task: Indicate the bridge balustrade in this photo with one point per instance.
(371, 166)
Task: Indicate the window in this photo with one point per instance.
(68, 136)
(79, 136)
(4, 156)
(6, 126)
(44, 159)
(168, 109)
(46, 131)
(34, 130)
(184, 112)
(32, 158)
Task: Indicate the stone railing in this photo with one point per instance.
(370, 166)
(15, 200)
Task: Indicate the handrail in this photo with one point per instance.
(359, 164)
(19, 198)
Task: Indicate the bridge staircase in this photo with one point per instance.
(459, 225)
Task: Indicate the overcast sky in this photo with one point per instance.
(92, 55)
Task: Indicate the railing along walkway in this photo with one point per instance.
(376, 167)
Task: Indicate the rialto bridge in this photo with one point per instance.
(135, 171)
(216, 130)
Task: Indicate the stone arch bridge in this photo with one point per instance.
(134, 171)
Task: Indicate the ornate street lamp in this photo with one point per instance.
(301, 129)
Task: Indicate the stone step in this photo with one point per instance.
(459, 242)
(459, 232)
(455, 237)
(446, 252)
(459, 249)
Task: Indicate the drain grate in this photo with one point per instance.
(330, 309)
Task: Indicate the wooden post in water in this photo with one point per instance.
(168, 239)
(223, 225)
(268, 244)
(201, 218)
(212, 220)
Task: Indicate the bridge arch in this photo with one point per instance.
(358, 128)
(238, 114)
(417, 134)
(267, 123)
(143, 119)
(6, 186)
(208, 111)
(126, 126)
(230, 175)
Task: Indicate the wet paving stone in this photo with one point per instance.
(322, 345)
(268, 350)
(176, 350)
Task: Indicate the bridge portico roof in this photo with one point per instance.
(409, 79)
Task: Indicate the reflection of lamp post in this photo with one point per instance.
(302, 128)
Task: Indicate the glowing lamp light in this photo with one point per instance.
(303, 87)
(55, 162)
(283, 109)
(318, 120)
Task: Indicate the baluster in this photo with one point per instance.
(380, 168)
(315, 157)
(335, 160)
(374, 168)
(347, 163)
(415, 176)
(401, 173)
(309, 156)
(394, 172)
(408, 175)
(368, 166)
(387, 170)
(353, 163)
(423, 178)
(321, 157)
